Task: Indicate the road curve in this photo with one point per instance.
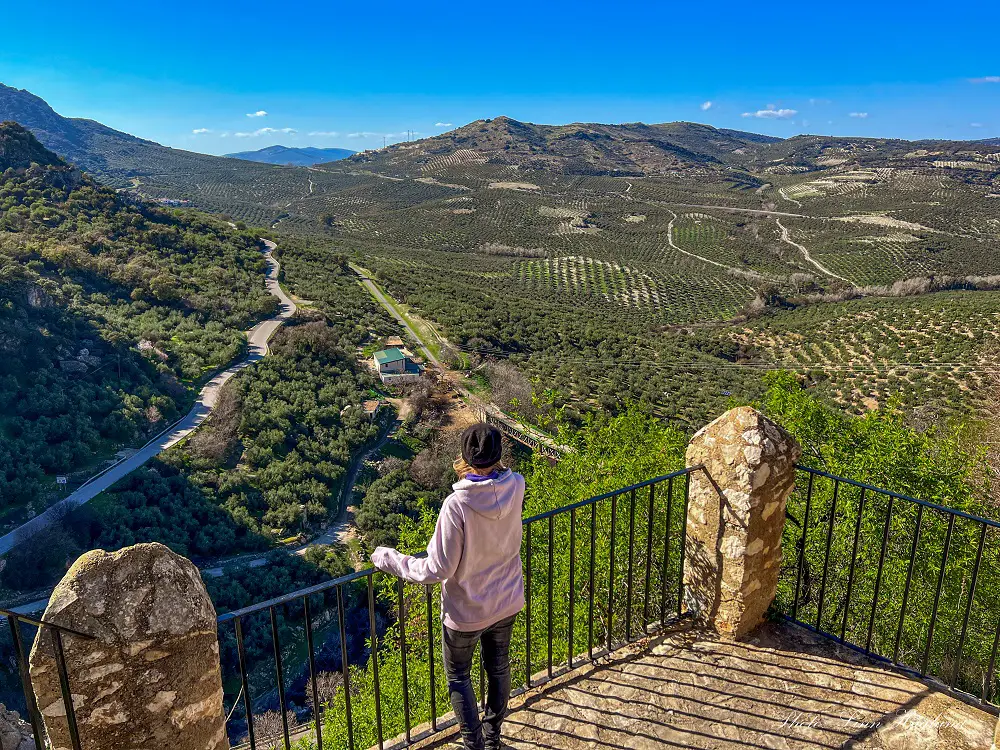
(257, 338)
(785, 236)
(670, 241)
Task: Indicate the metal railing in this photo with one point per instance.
(905, 581)
(352, 662)
(16, 622)
(587, 594)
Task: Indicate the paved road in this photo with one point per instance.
(377, 294)
(257, 338)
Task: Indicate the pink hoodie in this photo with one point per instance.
(475, 553)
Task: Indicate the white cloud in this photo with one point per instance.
(325, 133)
(200, 131)
(258, 113)
(985, 79)
(442, 124)
(706, 106)
(772, 114)
(266, 131)
(815, 102)
(975, 125)
(364, 134)
(859, 115)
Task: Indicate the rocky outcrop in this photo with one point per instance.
(736, 512)
(14, 733)
(150, 678)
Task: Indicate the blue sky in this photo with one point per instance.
(327, 74)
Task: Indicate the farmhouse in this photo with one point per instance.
(395, 366)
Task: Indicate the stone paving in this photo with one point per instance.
(782, 688)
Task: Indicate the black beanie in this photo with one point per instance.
(481, 445)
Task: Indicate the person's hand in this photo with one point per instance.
(380, 556)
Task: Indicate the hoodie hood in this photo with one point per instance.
(492, 498)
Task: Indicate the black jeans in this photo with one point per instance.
(458, 651)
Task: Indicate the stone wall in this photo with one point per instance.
(150, 679)
(736, 513)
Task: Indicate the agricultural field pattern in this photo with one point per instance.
(629, 262)
(873, 280)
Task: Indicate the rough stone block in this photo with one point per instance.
(736, 512)
(14, 733)
(150, 679)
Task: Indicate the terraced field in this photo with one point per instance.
(654, 258)
(930, 352)
(589, 273)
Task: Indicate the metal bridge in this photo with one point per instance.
(519, 433)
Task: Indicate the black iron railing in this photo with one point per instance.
(903, 580)
(58, 632)
(587, 594)
(352, 663)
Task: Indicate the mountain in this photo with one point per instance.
(579, 148)
(19, 149)
(110, 155)
(637, 149)
(251, 191)
(292, 156)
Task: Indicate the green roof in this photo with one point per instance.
(389, 355)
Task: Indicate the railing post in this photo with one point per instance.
(150, 676)
(735, 516)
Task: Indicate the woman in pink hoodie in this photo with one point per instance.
(475, 553)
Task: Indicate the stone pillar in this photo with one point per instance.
(150, 680)
(736, 513)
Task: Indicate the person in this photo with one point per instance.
(475, 553)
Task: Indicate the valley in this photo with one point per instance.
(608, 266)
(598, 291)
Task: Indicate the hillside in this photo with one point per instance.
(111, 311)
(246, 190)
(19, 149)
(579, 148)
(293, 156)
(637, 149)
(815, 152)
(96, 148)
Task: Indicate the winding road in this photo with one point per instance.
(257, 349)
(670, 241)
(786, 237)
